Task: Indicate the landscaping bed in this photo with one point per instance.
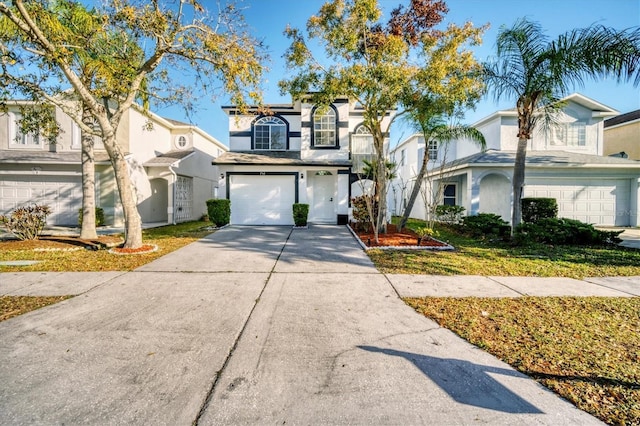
(394, 238)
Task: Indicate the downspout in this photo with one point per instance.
(173, 197)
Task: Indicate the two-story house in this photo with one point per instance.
(622, 135)
(564, 162)
(169, 163)
(296, 153)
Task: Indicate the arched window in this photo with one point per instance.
(270, 133)
(325, 127)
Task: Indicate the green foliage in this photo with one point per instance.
(361, 206)
(300, 214)
(534, 209)
(564, 232)
(99, 216)
(449, 214)
(219, 211)
(26, 223)
(486, 225)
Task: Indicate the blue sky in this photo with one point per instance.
(268, 19)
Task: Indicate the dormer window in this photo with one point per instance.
(270, 133)
(325, 124)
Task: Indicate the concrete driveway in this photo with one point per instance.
(254, 326)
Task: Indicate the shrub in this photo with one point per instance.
(99, 216)
(219, 211)
(564, 232)
(486, 225)
(361, 212)
(449, 214)
(535, 209)
(300, 214)
(26, 223)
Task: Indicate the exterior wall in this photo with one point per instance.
(623, 138)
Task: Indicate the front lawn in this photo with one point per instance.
(497, 258)
(585, 349)
(167, 238)
(12, 306)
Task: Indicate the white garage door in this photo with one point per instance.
(261, 199)
(601, 202)
(63, 194)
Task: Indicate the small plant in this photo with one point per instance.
(26, 223)
(425, 232)
(300, 214)
(449, 214)
(486, 225)
(219, 211)
(535, 209)
(361, 211)
(564, 232)
(99, 216)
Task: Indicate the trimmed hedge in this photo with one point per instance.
(300, 214)
(486, 225)
(564, 232)
(535, 209)
(219, 211)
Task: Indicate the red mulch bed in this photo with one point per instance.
(395, 238)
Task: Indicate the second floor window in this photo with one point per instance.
(270, 133)
(569, 134)
(19, 138)
(324, 127)
(432, 150)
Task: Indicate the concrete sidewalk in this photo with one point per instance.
(259, 326)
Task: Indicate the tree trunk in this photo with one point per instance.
(88, 229)
(414, 192)
(518, 182)
(132, 221)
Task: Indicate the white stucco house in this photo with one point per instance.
(169, 162)
(565, 162)
(294, 153)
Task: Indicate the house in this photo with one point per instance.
(564, 162)
(169, 161)
(622, 135)
(294, 153)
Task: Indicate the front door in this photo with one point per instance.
(323, 199)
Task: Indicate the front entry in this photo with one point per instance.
(323, 208)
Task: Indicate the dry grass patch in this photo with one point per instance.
(585, 349)
(64, 256)
(12, 306)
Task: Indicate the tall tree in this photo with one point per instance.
(376, 64)
(537, 72)
(139, 49)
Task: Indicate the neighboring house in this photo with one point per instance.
(565, 163)
(296, 153)
(622, 135)
(170, 167)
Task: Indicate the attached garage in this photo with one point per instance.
(63, 194)
(601, 202)
(262, 198)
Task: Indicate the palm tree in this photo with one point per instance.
(435, 129)
(537, 73)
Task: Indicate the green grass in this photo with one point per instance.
(585, 349)
(167, 238)
(498, 258)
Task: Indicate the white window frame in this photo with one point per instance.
(178, 142)
(28, 141)
(449, 197)
(325, 129)
(266, 125)
(76, 136)
(572, 134)
(432, 150)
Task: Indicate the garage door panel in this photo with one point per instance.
(262, 199)
(63, 194)
(602, 202)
